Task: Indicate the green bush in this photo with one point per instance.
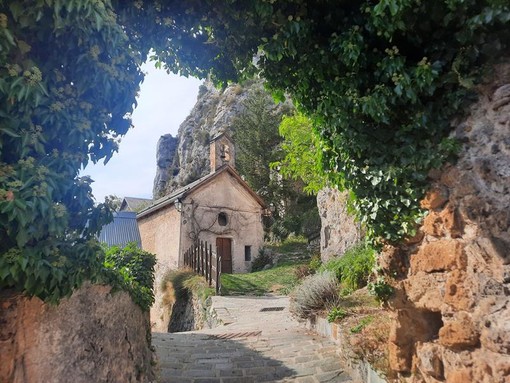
(132, 269)
(380, 288)
(316, 293)
(353, 268)
(336, 313)
(198, 285)
(315, 263)
(261, 260)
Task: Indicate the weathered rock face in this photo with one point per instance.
(184, 159)
(452, 307)
(166, 160)
(188, 314)
(93, 336)
(339, 231)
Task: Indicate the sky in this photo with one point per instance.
(164, 102)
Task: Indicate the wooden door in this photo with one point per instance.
(224, 246)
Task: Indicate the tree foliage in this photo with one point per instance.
(259, 144)
(68, 81)
(301, 147)
(132, 269)
(381, 81)
(255, 132)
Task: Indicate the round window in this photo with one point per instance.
(222, 219)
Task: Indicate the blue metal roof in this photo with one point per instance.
(122, 230)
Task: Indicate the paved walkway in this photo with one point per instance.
(257, 343)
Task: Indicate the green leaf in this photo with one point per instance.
(9, 132)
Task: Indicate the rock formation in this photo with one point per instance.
(93, 336)
(185, 158)
(339, 230)
(452, 306)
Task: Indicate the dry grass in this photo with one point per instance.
(366, 327)
(316, 293)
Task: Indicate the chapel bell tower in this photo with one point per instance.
(222, 152)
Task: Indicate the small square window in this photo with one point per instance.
(247, 253)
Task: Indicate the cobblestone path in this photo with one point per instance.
(257, 343)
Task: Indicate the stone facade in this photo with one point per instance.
(452, 306)
(160, 233)
(93, 336)
(243, 225)
(339, 230)
(218, 206)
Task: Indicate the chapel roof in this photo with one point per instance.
(185, 190)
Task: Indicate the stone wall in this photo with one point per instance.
(452, 306)
(189, 313)
(339, 231)
(93, 336)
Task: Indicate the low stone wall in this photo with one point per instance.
(188, 313)
(93, 336)
(358, 369)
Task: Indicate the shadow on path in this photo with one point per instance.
(209, 358)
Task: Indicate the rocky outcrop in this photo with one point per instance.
(339, 230)
(93, 336)
(452, 306)
(184, 159)
(167, 162)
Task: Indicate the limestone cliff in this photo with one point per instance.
(185, 158)
(452, 306)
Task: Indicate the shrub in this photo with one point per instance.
(132, 269)
(264, 258)
(315, 263)
(380, 288)
(302, 271)
(199, 287)
(336, 313)
(354, 267)
(316, 293)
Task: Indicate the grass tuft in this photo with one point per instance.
(316, 293)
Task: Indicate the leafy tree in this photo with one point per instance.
(302, 159)
(381, 81)
(114, 202)
(259, 145)
(131, 269)
(68, 81)
(255, 132)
